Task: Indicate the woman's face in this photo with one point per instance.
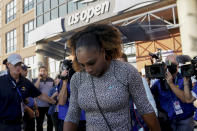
(92, 60)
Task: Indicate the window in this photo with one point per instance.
(54, 3)
(46, 5)
(47, 10)
(11, 41)
(39, 9)
(27, 5)
(38, 1)
(61, 1)
(63, 10)
(72, 6)
(11, 11)
(53, 67)
(54, 13)
(39, 20)
(46, 17)
(33, 71)
(81, 5)
(26, 29)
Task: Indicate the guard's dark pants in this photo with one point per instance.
(10, 127)
(29, 123)
(40, 119)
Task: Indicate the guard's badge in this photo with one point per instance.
(23, 88)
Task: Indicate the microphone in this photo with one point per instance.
(183, 59)
(153, 55)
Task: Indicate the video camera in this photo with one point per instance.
(189, 70)
(156, 70)
(66, 65)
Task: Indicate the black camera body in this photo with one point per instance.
(155, 71)
(189, 69)
(66, 65)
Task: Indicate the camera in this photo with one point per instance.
(189, 70)
(155, 71)
(66, 65)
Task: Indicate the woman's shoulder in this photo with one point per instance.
(123, 66)
(78, 76)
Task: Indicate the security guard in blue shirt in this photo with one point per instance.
(13, 91)
(172, 99)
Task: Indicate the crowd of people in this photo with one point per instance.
(103, 92)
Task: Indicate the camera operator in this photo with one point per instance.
(169, 95)
(66, 72)
(191, 96)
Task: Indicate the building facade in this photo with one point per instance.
(16, 21)
(39, 29)
(81, 13)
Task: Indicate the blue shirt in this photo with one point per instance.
(64, 109)
(10, 98)
(194, 93)
(30, 102)
(52, 107)
(166, 99)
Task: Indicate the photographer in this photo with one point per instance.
(66, 72)
(191, 96)
(170, 99)
(53, 109)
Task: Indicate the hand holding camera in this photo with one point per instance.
(66, 70)
(64, 73)
(169, 77)
(186, 81)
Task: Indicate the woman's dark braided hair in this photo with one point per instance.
(101, 36)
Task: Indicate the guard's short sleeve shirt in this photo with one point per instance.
(10, 100)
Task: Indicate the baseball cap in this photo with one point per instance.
(14, 59)
(25, 67)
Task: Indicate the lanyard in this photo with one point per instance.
(18, 91)
(176, 80)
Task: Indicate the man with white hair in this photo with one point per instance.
(13, 90)
(169, 95)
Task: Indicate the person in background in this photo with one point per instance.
(170, 98)
(4, 72)
(14, 90)
(53, 109)
(102, 85)
(64, 96)
(44, 84)
(191, 95)
(31, 109)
